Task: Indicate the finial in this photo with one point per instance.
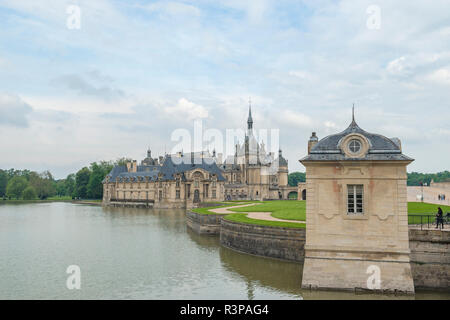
(353, 113)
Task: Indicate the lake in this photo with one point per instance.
(126, 253)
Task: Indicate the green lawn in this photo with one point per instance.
(281, 209)
(242, 218)
(296, 210)
(424, 213)
(425, 208)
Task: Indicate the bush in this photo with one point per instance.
(29, 193)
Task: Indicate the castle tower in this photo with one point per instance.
(356, 213)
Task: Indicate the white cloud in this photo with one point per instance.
(440, 76)
(185, 109)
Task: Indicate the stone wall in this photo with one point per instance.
(430, 258)
(204, 223)
(273, 242)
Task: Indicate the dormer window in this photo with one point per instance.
(354, 146)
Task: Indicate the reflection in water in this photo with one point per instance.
(282, 276)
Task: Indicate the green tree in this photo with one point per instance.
(122, 161)
(43, 183)
(15, 187)
(60, 187)
(81, 182)
(98, 173)
(3, 182)
(29, 193)
(69, 184)
(295, 177)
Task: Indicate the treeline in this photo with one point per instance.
(30, 185)
(295, 177)
(416, 178)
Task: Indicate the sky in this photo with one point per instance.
(84, 81)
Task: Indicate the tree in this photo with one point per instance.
(69, 184)
(42, 183)
(15, 187)
(98, 173)
(295, 177)
(60, 187)
(3, 182)
(81, 182)
(122, 161)
(29, 193)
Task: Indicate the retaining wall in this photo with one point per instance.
(430, 258)
(274, 242)
(204, 223)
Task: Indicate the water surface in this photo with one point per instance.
(126, 253)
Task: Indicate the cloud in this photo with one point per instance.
(80, 85)
(13, 111)
(186, 109)
(440, 76)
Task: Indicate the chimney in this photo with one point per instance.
(312, 142)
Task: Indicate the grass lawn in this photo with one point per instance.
(425, 208)
(296, 210)
(417, 209)
(242, 218)
(281, 209)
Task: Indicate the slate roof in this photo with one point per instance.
(380, 147)
(168, 170)
(176, 165)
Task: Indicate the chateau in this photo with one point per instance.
(184, 180)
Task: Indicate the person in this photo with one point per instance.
(439, 197)
(439, 218)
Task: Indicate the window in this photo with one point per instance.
(160, 195)
(177, 194)
(178, 183)
(354, 146)
(214, 193)
(355, 199)
(196, 183)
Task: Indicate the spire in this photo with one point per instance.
(353, 126)
(250, 120)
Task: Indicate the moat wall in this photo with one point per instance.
(204, 223)
(430, 258)
(273, 242)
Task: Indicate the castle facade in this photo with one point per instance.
(184, 180)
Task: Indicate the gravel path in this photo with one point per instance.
(253, 215)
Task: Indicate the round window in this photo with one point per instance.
(354, 146)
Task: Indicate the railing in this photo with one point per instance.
(132, 200)
(426, 220)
